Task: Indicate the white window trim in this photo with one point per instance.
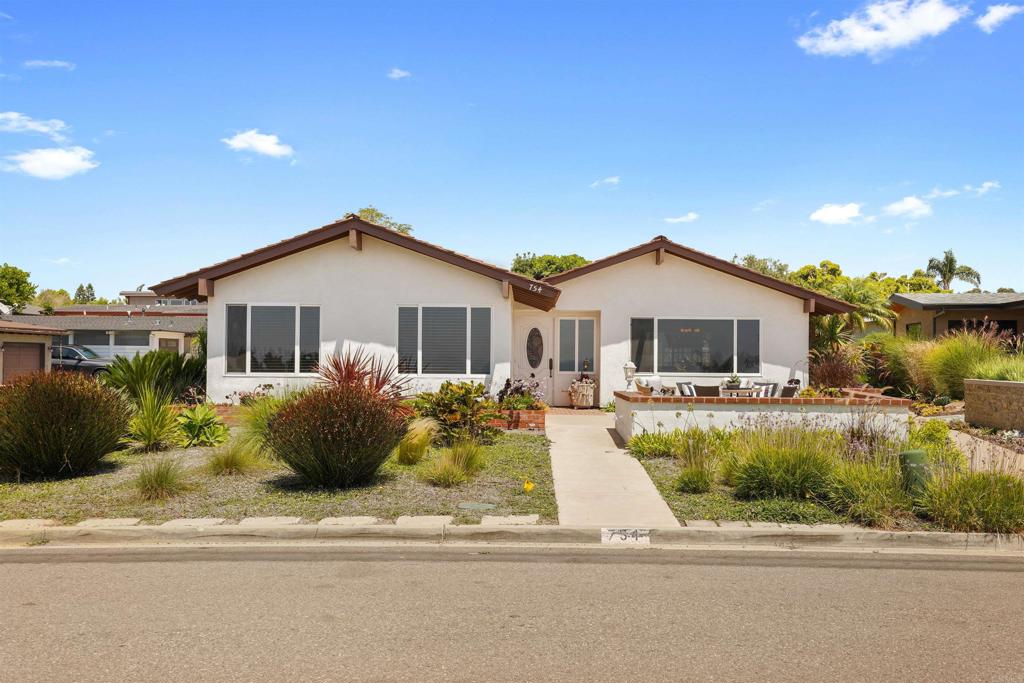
(575, 345)
(735, 344)
(248, 341)
(469, 337)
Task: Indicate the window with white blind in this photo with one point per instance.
(272, 339)
(444, 340)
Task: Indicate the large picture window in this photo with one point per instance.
(444, 340)
(279, 339)
(695, 346)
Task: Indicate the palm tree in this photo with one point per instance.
(946, 269)
(871, 302)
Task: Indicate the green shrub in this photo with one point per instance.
(783, 462)
(932, 436)
(837, 366)
(457, 463)
(234, 457)
(180, 377)
(868, 493)
(58, 424)
(155, 425)
(337, 436)
(695, 479)
(462, 411)
(1006, 368)
(201, 426)
(956, 355)
(413, 446)
(991, 502)
(163, 478)
(652, 444)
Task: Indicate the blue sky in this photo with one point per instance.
(797, 130)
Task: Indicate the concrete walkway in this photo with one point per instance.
(596, 482)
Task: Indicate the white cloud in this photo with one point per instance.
(911, 206)
(61, 261)
(16, 122)
(6, 17)
(984, 188)
(764, 204)
(611, 180)
(837, 214)
(881, 27)
(397, 74)
(49, 64)
(996, 15)
(685, 218)
(53, 163)
(938, 193)
(260, 143)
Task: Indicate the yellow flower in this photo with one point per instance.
(527, 486)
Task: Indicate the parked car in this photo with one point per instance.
(78, 359)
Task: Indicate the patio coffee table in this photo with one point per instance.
(739, 393)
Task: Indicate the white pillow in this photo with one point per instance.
(686, 389)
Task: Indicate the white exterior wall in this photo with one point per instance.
(641, 417)
(359, 293)
(679, 288)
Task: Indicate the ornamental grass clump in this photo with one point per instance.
(161, 479)
(653, 444)
(932, 436)
(784, 462)
(154, 427)
(1006, 368)
(869, 493)
(234, 457)
(256, 415)
(956, 355)
(413, 446)
(698, 451)
(457, 463)
(991, 502)
(58, 424)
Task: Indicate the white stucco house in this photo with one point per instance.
(275, 312)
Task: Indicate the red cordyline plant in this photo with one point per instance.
(356, 367)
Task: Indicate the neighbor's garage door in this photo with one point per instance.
(21, 359)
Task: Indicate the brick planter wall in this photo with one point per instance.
(520, 419)
(992, 403)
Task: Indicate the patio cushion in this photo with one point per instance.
(686, 389)
(707, 390)
(768, 389)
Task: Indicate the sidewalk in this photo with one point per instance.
(596, 482)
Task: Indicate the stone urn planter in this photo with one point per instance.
(581, 393)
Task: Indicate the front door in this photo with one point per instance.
(533, 355)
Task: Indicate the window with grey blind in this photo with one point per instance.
(444, 340)
(92, 338)
(696, 345)
(480, 341)
(132, 338)
(234, 348)
(408, 339)
(271, 339)
(309, 338)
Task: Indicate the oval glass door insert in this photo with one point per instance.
(534, 348)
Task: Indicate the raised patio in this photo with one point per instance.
(638, 413)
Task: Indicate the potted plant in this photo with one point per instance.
(581, 391)
(733, 382)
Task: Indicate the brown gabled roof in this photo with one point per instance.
(11, 327)
(819, 303)
(526, 290)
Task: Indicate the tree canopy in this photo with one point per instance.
(371, 214)
(539, 266)
(85, 294)
(16, 290)
(49, 299)
(947, 269)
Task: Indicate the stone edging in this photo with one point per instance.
(634, 397)
(757, 535)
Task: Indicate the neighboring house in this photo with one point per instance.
(123, 330)
(24, 349)
(274, 313)
(147, 297)
(926, 316)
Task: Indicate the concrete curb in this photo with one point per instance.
(775, 538)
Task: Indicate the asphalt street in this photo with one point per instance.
(336, 613)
